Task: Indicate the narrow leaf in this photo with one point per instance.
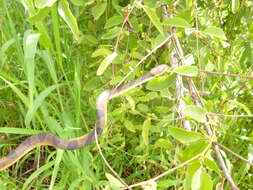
(98, 10)
(235, 5)
(184, 136)
(194, 149)
(92, 84)
(114, 181)
(37, 173)
(101, 52)
(112, 33)
(206, 181)
(212, 165)
(44, 3)
(196, 113)
(105, 63)
(196, 180)
(113, 21)
(50, 65)
(39, 16)
(190, 71)
(145, 131)
(30, 48)
(160, 83)
(154, 18)
(59, 155)
(177, 22)
(191, 170)
(38, 102)
(163, 143)
(201, 180)
(19, 131)
(215, 32)
(17, 91)
(129, 126)
(68, 17)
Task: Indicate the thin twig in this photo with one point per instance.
(106, 163)
(223, 115)
(227, 74)
(235, 154)
(175, 62)
(224, 168)
(122, 26)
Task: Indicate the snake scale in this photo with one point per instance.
(70, 144)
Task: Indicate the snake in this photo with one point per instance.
(48, 139)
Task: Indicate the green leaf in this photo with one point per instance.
(190, 71)
(212, 165)
(196, 113)
(201, 180)
(215, 32)
(98, 10)
(101, 52)
(58, 159)
(105, 63)
(159, 83)
(196, 180)
(196, 183)
(44, 3)
(20, 131)
(78, 2)
(38, 102)
(113, 21)
(163, 143)
(184, 136)
(206, 181)
(90, 39)
(112, 33)
(46, 56)
(37, 173)
(129, 126)
(143, 108)
(154, 18)
(145, 131)
(68, 17)
(114, 181)
(30, 43)
(191, 170)
(194, 149)
(92, 84)
(235, 5)
(165, 184)
(177, 22)
(17, 91)
(39, 16)
(242, 106)
(6, 45)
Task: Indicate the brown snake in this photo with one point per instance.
(70, 144)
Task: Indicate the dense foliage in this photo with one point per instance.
(57, 56)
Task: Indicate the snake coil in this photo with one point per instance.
(70, 144)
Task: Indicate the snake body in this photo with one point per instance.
(70, 144)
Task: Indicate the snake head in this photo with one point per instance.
(159, 70)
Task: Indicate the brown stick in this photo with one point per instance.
(197, 100)
(231, 152)
(226, 74)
